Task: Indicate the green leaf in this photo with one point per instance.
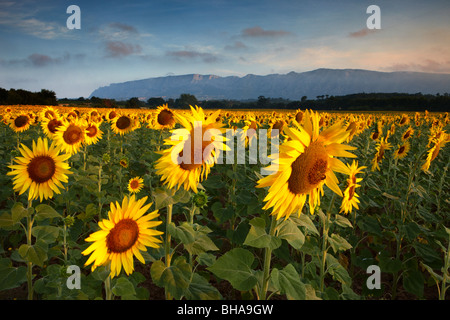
(338, 243)
(337, 270)
(200, 289)
(235, 267)
(438, 278)
(413, 282)
(305, 221)
(290, 232)
(123, 287)
(202, 243)
(11, 277)
(162, 198)
(342, 221)
(37, 253)
(311, 293)
(175, 278)
(185, 233)
(6, 220)
(44, 211)
(18, 212)
(48, 234)
(258, 238)
(287, 281)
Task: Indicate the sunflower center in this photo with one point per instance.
(351, 193)
(123, 236)
(53, 124)
(309, 169)
(197, 151)
(21, 121)
(123, 122)
(41, 169)
(92, 131)
(401, 150)
(134, 184)
(165, 117)
(112, 115)
(49, 114)
(406, 135)
(73, 134)
(299, 117)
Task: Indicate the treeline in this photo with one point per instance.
(350, 102)
(20, 96)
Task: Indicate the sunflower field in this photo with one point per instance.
(193, 204)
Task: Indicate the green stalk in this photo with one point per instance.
(267, 259)
(167, 240)
(29, 263)
(99, 191)
(108, 291)
(445, 273)
(325, 229)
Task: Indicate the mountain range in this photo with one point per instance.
(293, 85)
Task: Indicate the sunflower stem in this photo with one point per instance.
(325, 229)
(267, 258)
(108, 292)
(167, 253)
(99, 191)
(29, 263)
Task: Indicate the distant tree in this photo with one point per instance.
(185, 100)
(304, 98)
(133, 103)
(155, 102)
(262, 102)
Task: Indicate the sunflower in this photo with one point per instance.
(381, 148)
(122, 123)
(350, 199)
(41, 170)
(135, 184)
(277, 125)
(164, 118)
(50, 125)
(189, 159)
(125, 233)
(93, 133)
(404, 120)
(402, 150)
(20, 122)
(306, 162)
(71, 135)
(407, 134)
(250, 137)
(434, 151)
(49, 113)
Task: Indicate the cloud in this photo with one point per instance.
(41, 60)
(123, 27)
(191, 54)
(258, 32)
(117, 31)
(19, 17)
(119, 49)
(362, 33)
(427, 65)
(237, 45)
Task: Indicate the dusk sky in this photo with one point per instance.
(129, 40)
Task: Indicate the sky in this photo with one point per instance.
(122, 41)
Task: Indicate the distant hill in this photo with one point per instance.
(293, 85)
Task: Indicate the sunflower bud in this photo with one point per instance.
(200, 199)
(69, 221)
(106, 158)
